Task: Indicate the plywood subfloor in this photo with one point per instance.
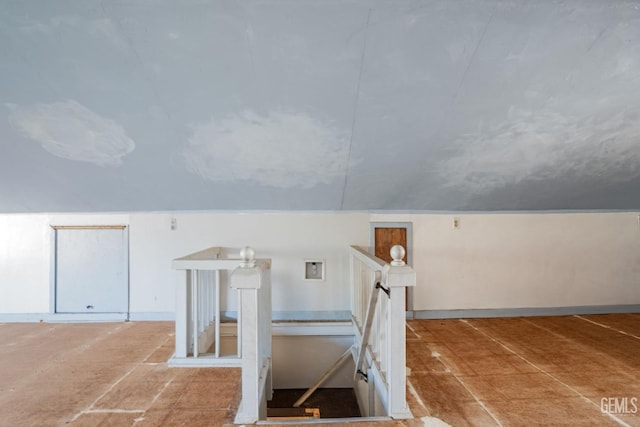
(476, 372)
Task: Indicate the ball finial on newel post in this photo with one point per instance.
(397, 253)
(247, 254)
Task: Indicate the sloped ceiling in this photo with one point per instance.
(125, 105)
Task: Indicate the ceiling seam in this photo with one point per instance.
(463, 78)
(471, 60)
(355, 110)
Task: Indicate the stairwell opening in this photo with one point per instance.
(323, 403)
(302, 353)
(305, 353)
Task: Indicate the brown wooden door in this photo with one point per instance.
(384, 240)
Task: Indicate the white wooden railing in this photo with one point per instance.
(253, 282)
(199, 311)
(198, 321)
(378, 310)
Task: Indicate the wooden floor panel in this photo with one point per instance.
(463, 372)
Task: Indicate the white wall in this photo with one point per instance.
(490, 261)
(24, 263)
(26, 254)
(299, 361)
(288, 239)
(524, 260)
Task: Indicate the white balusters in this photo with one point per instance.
(199, 310)
(381, 333)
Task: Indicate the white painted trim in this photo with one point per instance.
(331, 316)
(313, 329)
(205, 361)
(52, 269)
(525, 311)
(205, 264)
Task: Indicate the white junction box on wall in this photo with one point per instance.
(314, 269)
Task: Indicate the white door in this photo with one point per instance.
(92, 270)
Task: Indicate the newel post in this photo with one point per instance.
(247, 280)
(397, 276)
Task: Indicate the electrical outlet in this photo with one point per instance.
(456, 223)
(174, 224)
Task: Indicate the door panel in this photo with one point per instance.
(386, 238)
(91, 270)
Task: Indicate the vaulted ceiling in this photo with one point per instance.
(125, 105)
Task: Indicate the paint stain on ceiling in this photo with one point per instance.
(545, 145)
(71, 131)
(279, 149)
(353, 105)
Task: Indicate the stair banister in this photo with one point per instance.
(397, 276)
(379, 326)
(252, 280)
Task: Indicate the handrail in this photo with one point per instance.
(370, 261)
(199, 309)
(379, 326)
(196, 310)
(366, 333)
(252, 279)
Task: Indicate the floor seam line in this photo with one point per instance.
(90, 407)
(155, 398)
(416, 396)
(111, 387)
(606, 326)
(480, 402)
(585, 398)
(437, 355)
(413, 330)
(48, 365)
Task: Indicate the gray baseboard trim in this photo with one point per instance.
(87, 317)
(84, 317)
(526, 311)
(62, 317)
(24, 317)
(152, 316)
